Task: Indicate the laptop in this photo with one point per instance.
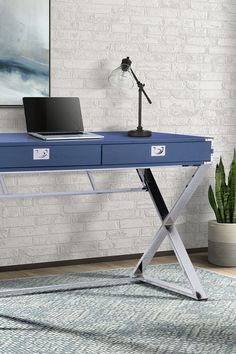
(55, 118)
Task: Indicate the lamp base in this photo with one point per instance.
(139, 133)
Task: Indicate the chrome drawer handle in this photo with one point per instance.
(158, 150)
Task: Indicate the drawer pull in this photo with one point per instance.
(41, 154)
(158, 150)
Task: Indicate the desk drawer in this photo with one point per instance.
(148, 153)
(57, 156)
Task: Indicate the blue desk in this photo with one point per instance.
(116, 150)
(22, 153)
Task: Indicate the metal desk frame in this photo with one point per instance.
(167, 229)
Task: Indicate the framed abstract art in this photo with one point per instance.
(24, 50)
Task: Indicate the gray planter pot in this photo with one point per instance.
(222, 244)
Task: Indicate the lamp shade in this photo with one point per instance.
(120, 78)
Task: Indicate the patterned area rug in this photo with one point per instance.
(133, 318)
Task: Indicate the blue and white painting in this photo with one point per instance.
(24, 50)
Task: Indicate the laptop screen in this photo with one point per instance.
(53, 114)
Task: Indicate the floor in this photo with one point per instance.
(198, 259)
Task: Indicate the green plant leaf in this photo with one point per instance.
(226, 203)
(220, 188)
(232, 189)
(212, 202)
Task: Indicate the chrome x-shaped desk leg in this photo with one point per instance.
(168, 229)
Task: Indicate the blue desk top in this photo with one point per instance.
(120, 137)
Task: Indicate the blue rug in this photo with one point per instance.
(134, 318)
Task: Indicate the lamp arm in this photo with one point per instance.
(140, 86)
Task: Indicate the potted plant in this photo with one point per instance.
(222, 231)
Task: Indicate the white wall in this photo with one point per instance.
(185, 52)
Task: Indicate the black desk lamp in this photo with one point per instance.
(122, 77)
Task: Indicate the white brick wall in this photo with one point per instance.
(185, 52)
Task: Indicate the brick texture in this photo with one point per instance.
(185, 52)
